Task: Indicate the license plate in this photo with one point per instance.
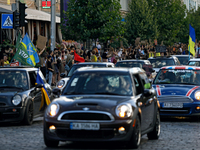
(173, 105)
(84, 126)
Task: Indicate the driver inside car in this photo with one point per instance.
(162, 78)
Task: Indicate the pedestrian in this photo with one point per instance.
(50, 70)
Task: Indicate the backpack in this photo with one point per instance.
(67, 66)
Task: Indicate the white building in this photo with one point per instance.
(192, 4)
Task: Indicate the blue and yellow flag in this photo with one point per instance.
(30, 49)
(192, 38)
(45, 101)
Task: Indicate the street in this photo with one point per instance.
(176, 134)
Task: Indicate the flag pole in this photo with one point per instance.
(189, 53)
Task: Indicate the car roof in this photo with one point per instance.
(20, 68)
(93, 63)
(183, 55)
(195, 59)
(134, 60)
(133, 70)
(182, 67)
(162, 57)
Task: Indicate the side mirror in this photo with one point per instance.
(39, 86)
(153, 70)
(62, 75)
(147, 92)
(56, 91)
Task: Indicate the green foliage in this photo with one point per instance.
(92, 19)
(140, 21)
(170, 18)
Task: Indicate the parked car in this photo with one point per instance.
(183, 59)
(178, 90)
(143, 64)
(19, 98)
(103, 104)
(159, 62)
(194, 62)
(65, 78)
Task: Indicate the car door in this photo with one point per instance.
(141, 101)
(35, 93)
(151, 100)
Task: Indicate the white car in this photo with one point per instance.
(65, 78)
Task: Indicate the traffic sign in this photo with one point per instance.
(7, 21)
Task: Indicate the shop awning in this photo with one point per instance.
(32, 14)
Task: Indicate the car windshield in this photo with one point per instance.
(183, 60)
(194, 63)
(129, 64)
(178, 76)
(99, 83)
(75, 67)
(13, 79)
(159, 63)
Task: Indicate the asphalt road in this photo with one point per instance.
(176, 134)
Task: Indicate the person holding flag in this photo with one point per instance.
(45, 101)
(192, 38)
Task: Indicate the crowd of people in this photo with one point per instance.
(53, 63)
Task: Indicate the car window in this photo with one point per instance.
(194, 63)
(129, 64)
(145, 81)
(159, 63)
(13, 78)
(99, 83)
(32, 76)
(138, 84)
(178, 76)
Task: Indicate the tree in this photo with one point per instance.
(140, 21)
(92, 19)
(170, 18)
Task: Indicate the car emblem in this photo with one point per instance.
(86, 109)
(173, 93)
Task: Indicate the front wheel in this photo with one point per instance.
(136, 137)
(156, 130)
(28, 116)
(50, 143)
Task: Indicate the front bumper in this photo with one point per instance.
(8, 114)
(189, 109)
(107, 132)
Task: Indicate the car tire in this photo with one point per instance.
(156, 130)
(50, 143)
(136, 137)
(28, 116)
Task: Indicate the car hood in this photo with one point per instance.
(103, 103)
(5, 97)
(172, 89)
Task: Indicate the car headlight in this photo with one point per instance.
(16, 100)
(53, 109)
(124, 110)
(197, 95)
(61, 83)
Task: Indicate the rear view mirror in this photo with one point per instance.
(62, 75)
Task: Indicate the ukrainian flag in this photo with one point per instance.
(28, 45)
(192, 38)
(45, 101)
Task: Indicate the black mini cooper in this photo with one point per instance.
(103, 104)
(20, 99)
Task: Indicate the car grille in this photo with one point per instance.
(101, 134)
(182, 99)
(2, 104)
(85, 116)
(97, 116)
(175, 111)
